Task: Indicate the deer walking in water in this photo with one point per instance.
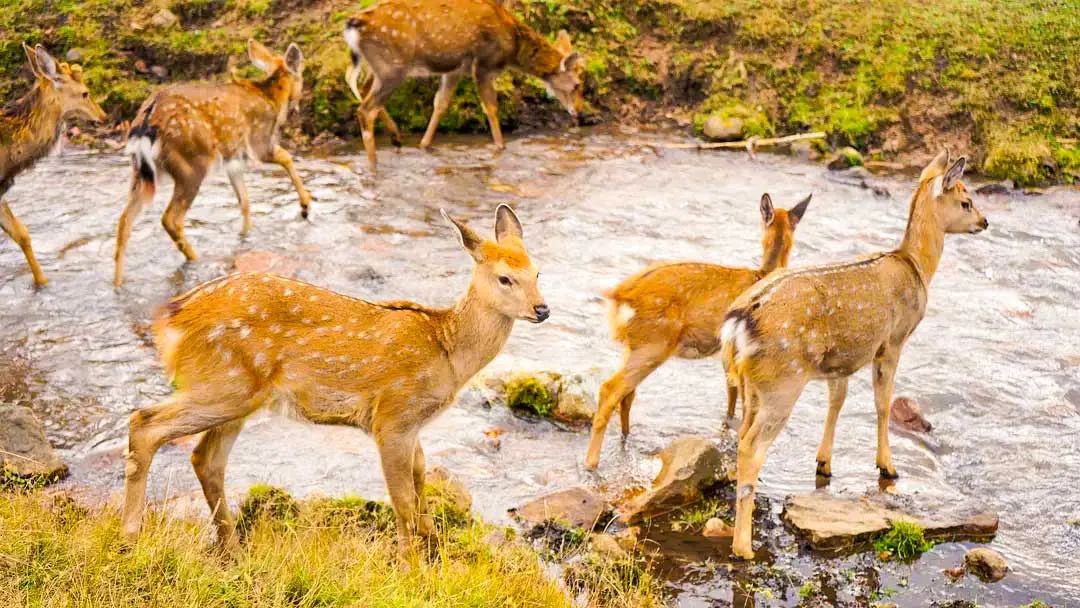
(387, 368)
(827, 322)
(677, 310)
(186, 128)
(30, 127)
(397, 39)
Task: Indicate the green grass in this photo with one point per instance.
(692, 518)
(312, 553)
(904, 541)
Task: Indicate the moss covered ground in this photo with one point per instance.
(895, 79)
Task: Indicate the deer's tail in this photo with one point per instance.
(356, 69)
(736, 345)
(143, 147)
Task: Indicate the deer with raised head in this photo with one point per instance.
(396, 39)
(186, 129)
(387, 368)
(676, 310)
(827, 322)
(31, 125)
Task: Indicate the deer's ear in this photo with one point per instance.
(294, 59)
(795, 214)
(568, 61)
(767, 213)
(31, 58)
(260, 55)
(506, 223)
(955, 172)
(563, 43)
(45, 63)
(469, 240)
(936, 167)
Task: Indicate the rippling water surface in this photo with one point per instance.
(995, 362)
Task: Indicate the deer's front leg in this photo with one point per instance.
(837, 394)
(18, 233)
(884, 372)
(442, 101)
(282, 158)
(489, 99)
(397, 451)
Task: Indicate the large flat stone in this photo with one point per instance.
(24, 450)
(836, 523)
(576, 507)
(689, 466)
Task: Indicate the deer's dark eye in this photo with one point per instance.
(966, 205)
(506, 281)
(86, 95)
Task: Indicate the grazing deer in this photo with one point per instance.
(186, 128)
(388, 368)
(677, 310)
(827, 322)
(397, 39)
(30, 127)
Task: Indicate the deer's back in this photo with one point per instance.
(683, 303)
(212, 118)
(829, 321)
(340, 358)
(438, 36)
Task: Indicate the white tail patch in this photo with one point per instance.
(619, 314)
(168, 341)
(735, 330)
(144, 151)
(352, 38)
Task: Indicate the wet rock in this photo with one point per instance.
(75, 55)
(25, 452)
(989, 565)
(564, 397)
(160, 71)
(954, 574)
(164, 19)
(1002, 187)
(265, 261)
(140, 66)
(689, 465)
(576, 401)
(846, 158)
(833, 523)
(576, 507)
(449, 488)
(805, 150)
(717, 528)
(719, 128)
(906, 414)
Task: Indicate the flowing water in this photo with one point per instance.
(994, 363)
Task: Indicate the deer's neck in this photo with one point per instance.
(776, 257)
(31, 128)
(275, 89)
(924, 238)
(474, 334)
(535, 54)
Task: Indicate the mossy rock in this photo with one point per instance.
(530, 395)
(266, 503)
(846, 158)
(1026, 159)
(353, 513)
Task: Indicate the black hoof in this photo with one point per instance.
(821, 472)
(304, 213)
(885, 474)
(396, 141)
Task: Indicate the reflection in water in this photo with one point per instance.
(993, 363)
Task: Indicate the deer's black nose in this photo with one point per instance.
(985, 223)
(542, 312)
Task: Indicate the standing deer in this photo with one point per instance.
(677, 310)
(397, 39)
(387, 368)
(30, 127)
(186, 128)
(827, 322)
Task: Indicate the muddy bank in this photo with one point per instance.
(895, 80)
(992, 364)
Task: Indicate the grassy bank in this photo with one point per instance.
(315, 553)
(894, 78)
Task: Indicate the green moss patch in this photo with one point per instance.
(530, 396)
(904, 541)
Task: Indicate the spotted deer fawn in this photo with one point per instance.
(30, 127)
(676, 310)
(186, 128)
(387, 368)
(827, 322)
(396, 39)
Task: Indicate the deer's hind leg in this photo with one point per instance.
(282, 158)
(18, 233)
(140, 195)
(181, 415)
(613, 392)
(209, 459)
(188, 177)
(235, 170)
(372, 107)
(489, 99)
